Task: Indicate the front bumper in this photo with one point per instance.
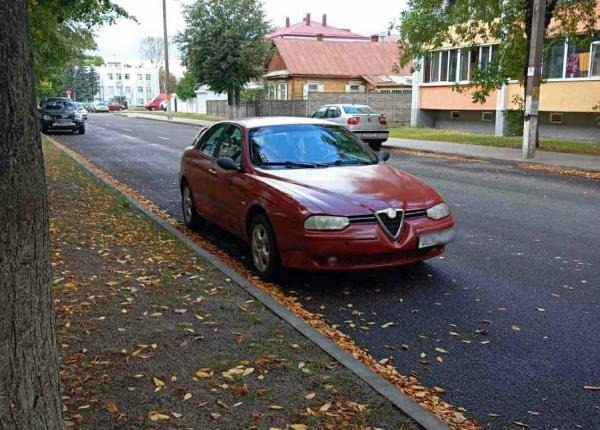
(57, 126)
(366, 246)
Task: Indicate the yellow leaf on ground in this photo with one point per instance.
(187, 396)
(325, 407)
(204, 373)
(112, 407)
(158, 383)
(298, 427)
(276, 407)
(157, 416)
(215, 416)
(310, 396)
(386, 325)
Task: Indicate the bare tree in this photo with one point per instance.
(29, 381)
(152, 49)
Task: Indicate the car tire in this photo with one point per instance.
(81, 129)
(375, 145)
(45, 130)
(190, 214)
(263, 246)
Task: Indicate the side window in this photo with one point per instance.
(333, 112)
(209, 140)
(320, 113)
(231, 144)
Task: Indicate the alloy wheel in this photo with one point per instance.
(260, 247)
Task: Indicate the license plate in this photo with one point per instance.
(368, 135)
(64, 121)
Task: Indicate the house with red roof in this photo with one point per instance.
(303, 65)
(310, 30)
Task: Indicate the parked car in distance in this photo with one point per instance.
(114, 106)
(157, 102)
(60, 114)
(100, 107)
(308, 194)
(81, 109)
(362, 120)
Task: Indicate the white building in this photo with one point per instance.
(120, 81)
(198, 104)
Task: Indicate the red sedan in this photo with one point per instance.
(114, 106)
(307, 194)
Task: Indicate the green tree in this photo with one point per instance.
(171, 83)
(61, 32)
(186, 86)
(425, 26)
(224, 45)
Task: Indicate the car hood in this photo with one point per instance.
(352, 190)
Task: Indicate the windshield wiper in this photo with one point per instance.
(349, 162)
(291, 164)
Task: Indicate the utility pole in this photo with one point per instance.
(166, 37)
(534, 79)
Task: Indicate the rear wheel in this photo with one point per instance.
(81, 129)
(265, 254)
(190, 215)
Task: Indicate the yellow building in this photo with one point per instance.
(568, 96)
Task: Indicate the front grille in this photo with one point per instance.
(370, 218)
(391, 226)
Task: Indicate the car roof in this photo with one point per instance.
(344, 105)
(278, 120)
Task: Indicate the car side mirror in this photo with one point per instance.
(384, 156)
(227, 163)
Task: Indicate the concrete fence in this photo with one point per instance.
(259, 108)
(395, 106)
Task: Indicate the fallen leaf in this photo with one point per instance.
(592, 387)
(112, 407)
(325, 407)
(222, 404)
(310, 396)
(386, 325)
(276, 407)
(516, 328)
(298, 427)
(442, 350)
(187, 396)
(157, 416)
(158, 383)
(204, 373)
(541, 309)
(215, 416)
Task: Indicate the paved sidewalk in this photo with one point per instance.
(174, 120)
(574, 161)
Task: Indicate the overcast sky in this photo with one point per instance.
(121, 40)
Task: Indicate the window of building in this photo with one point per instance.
(463, 74)
(148, 90)
(110, 76)
(314, 86)
(556, 118)
(271, 92)
(128, 90)
(554, 61)
(139, 77)
(453, 65)
(140, 90)
(148, 77)
(118, 76)
(140, 102)
(487, 116)
(435, 67)
(578, 59)
(454, 114)
(444, 66)
(595, 60)
(282, 91)
(126, 76)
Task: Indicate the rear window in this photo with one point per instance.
(360, 110)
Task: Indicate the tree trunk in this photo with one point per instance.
(29, 381)
(230, 104)
(238, 97)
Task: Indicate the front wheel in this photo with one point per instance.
(190, 215)
(81, 129)
(265, 254)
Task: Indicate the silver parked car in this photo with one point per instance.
(362, 120)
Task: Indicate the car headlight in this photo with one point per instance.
(438, 211)
(78, 116)
(326, 222)
(48, 118)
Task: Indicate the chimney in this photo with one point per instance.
(375, 38)
(307, 19)
(287, 21)
(324, 20)
(320, 37)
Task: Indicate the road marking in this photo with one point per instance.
(126, 129)
(164, 138)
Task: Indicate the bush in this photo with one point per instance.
(516, 118)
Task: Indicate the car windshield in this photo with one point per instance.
(307, 146)
(58, 105)
(360, 110)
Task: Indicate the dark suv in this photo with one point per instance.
(61, 114)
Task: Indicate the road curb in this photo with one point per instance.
(170, 121)
(422, 416)
(494, 159)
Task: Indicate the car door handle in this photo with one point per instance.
(212, 171)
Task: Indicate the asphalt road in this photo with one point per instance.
(525, 267)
